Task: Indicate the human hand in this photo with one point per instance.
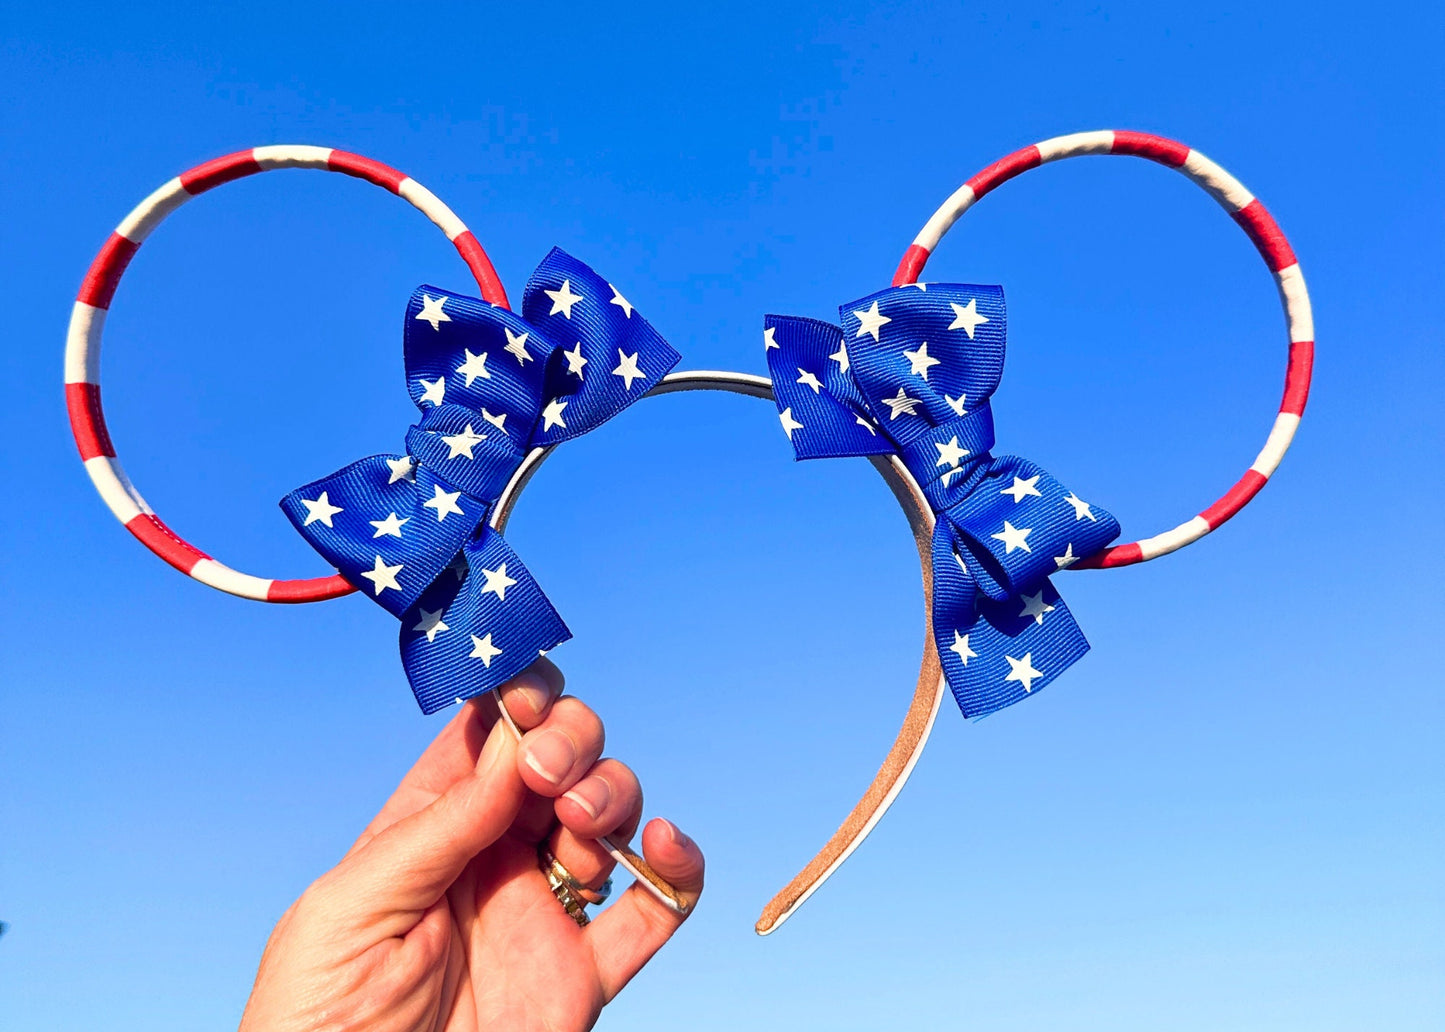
(439, 917)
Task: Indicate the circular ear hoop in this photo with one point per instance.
(87, 319)
(1246, 210)
(927, 696)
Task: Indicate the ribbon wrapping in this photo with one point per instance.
(411, 530)
(910, 372)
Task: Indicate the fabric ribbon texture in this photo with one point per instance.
(411, 531)
(910, 373)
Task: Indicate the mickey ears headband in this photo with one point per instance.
(905, 380)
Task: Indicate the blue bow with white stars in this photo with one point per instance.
(411, 530)
(910, 373)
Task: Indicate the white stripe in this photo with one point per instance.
(219, 575)
(291, 155)
(1100, 141)
(1163, 544)
(950, 212)
(1296, 299)
(147, 215)
(431, 206)
(116, 489)
(1222, 186)
(1280, 436)
(82, 344)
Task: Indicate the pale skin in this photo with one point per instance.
(439, 918)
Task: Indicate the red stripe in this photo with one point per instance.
(1119, 555)
(317, 589)
(161, 540)
(1261, 227)
(1004, 169)
(219, 170)
(1236, 498)
(87, 421)
(1146, 145)
(912, 264)
(1297, 379)
(365, 168)
(481, 266)
(104, 273)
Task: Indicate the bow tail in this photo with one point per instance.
(483, 621)
(996, 652)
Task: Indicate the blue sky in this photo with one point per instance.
(1228, 815)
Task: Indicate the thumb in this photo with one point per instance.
(407, 867)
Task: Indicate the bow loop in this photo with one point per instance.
(910, 372)
(607, 354)
(410, 531)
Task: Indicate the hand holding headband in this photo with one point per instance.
(911, 373)
(411, 530)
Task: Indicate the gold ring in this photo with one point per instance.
(568, 890)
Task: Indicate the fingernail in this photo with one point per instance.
(551, 754)
(592, 794)
(492, 748)
(675, 833)
(532, 693)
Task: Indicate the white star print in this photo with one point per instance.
(321, 510)
(434, 391)
(459, 567)
(474, 366)
(627, 368)
(575, 361)
(1023, 488)
(1063, 562)
(403, 468)
(464, 442)
(1022, 671)
(389, 526)
(920, 360)
(809, 379)
(497, 582)
(841, 356)
(865, 425)
(1081, 507)
(563, 299)
(900, 405)
(1012, 537)
(950, 454)
(1035, 606)
(483, 649)
(496, 421)
(431, 624)
(768, 342)
(920, 286)
(789, 423)
(960, 645)
(383, 576)
(517, 345)
(444, 502)
(431, 311)
(966, 317)
(871, 321)
(552, 415)
(620, 301)
(956, 403)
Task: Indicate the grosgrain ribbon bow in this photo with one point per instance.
(910, 373)
(411, 530)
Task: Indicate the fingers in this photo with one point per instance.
(452, 755)
(407, 866)
(607, 801)
(556, 753)
(626, 935)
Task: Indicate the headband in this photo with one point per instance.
(904, 380)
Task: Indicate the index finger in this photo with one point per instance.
(452, 755)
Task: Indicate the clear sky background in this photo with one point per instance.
(1229, 815)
